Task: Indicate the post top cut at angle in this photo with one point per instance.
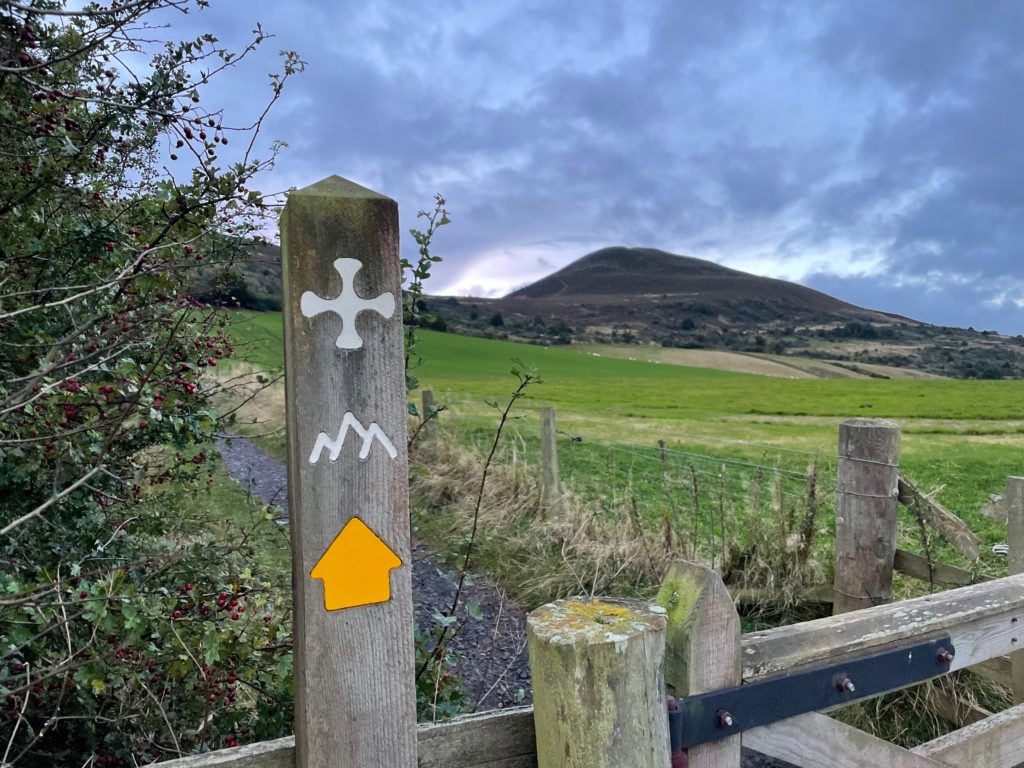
(356, 568)
(336, 186)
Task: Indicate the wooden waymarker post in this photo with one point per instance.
(355, 702)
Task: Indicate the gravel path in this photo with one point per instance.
(494, 669)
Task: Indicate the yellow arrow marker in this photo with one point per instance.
(356, 568)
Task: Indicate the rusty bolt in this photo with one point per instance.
(723, 719)
(846, 686)
(944, 656)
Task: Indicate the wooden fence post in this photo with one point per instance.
(598, 670)
(1015, 540)
(355, 702)
(427, 408)
(867, 489)
(549, 460)
(702, 647)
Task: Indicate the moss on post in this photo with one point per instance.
(702, 647)
(599, 684)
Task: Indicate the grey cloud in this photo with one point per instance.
(885, 125)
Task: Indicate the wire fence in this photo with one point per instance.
(704, 495)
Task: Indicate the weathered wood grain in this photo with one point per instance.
(951, 707)
(279, 753)
(502, 739)
(996, 742)
(869, 451)
(984, 620)
(702, 647)
(819, 593)
(996, 669)
(1015, 538)
(949, 526)
(426, 408)
(818, 741)
(942, 574)
(354, 694)
(598, 670)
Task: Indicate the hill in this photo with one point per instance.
(625, 295)
(251, 284)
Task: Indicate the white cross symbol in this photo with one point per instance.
(348, 304)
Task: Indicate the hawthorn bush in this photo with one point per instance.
(132, 628)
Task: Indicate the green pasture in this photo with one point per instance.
(960, 437)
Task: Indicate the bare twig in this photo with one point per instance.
(49, 502)
(525, 379)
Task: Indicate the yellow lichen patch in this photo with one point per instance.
(578, 619)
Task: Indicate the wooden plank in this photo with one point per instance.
(942, 574)
(996, 669)
(869, 451)
(355, 701)
(702, 651)
(954, 709)
(983, 620)
(1015, 538)
(949, 526)
(279, 753)
(818, 741)
(501, 739)
(599, 684)
(996, 742)
(819, 593)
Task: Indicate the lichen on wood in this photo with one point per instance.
(599, 684)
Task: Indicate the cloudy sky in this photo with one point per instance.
(873, 149)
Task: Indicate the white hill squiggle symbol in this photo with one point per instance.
(369, 434)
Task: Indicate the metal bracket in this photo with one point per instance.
(719, 714)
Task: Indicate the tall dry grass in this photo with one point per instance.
(766, 551)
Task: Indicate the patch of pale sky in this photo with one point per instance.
(501, 270)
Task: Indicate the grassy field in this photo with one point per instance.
(960, 437)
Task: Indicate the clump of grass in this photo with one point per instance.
(774, 559)
(622, 543)
(916, 715)
(534, 553)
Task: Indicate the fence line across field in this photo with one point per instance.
(581, 436)
(673, 468)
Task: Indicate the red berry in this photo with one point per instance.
(176, 615)
(143, 424)
(234, 617)
(83, 594)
